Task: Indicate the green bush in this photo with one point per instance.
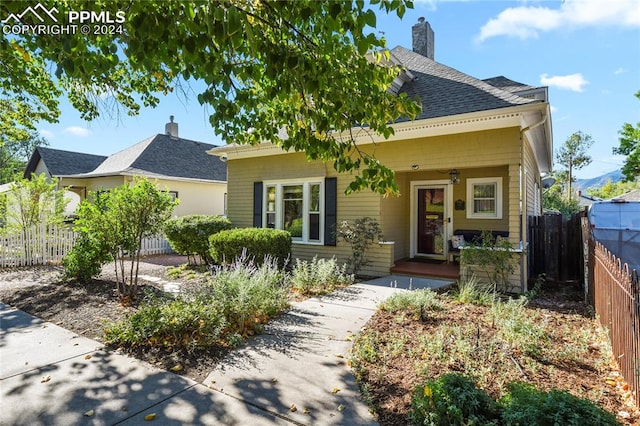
(318, 276)
(86, 258)
(189, 235)
(227, 246)
(416, 302)
(246, 293)
(524, 405)
(452, 399)
(170, 323)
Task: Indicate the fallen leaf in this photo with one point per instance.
(306, 411)
(176, 368)
(274, 380)
(339, 356)
(87, 356)
(335, 390)
(150, 417)
(341, 407)
(90, 413)
(293, 408)
(611, 382)
(45, 379)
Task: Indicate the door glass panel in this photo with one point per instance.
(431, 229)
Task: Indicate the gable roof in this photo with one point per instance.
(60, 162)
(446, 91)
(163, 156)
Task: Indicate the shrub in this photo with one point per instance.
(227, 246)
(169, 323)
(416, 302)
(472, 290)
(359, 235)
(452, 399)
(189, 235)
(246, 294)
(525, 405)
(86, 258)
(318, 276)
(494, 257)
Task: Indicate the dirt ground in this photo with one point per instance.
(87, 308)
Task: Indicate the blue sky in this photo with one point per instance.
(586, 51)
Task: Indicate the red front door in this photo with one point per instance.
(431, 221)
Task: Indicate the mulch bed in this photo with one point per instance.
(87, 308)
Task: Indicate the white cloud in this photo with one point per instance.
(620, 71)
(528, 21)
(48, 134)
(574, 82)
(81, 132)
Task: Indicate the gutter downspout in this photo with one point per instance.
(523, 218)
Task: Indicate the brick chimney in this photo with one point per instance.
(171, 128)
(423, 38)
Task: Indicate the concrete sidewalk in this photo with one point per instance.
(293, 373)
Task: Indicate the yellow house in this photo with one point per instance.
(196, 179)
(472, 160)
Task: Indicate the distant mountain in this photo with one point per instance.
(598, 181)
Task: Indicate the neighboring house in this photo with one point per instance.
(471, 160)
(633, 195)
(179, 166)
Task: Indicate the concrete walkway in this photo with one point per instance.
(293, 373)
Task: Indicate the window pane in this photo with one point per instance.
(314, 227)
(484, 191)
(314, 204)
(292, 209)
(271, 199)
(271, 220)
(484, 206)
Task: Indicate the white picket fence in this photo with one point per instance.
(46, 245)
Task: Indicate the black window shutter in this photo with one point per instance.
(257, 204)
(330, 210)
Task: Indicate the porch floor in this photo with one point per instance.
(426, 269)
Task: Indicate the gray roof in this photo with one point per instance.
(164, 156)
(61, 162)
(502, 82)
(445, 91)
(633, 195)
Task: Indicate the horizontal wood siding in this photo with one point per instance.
(493, 153)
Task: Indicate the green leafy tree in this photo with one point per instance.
(313, 68)
(630, 146)
(555, 198)
(32, 202)
(119, 220)
(572, 155)
(610, 189)
(14, 154)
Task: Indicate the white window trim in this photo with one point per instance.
(470, 200)
(306, 201)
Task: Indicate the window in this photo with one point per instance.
(296, 207)
(484, 198)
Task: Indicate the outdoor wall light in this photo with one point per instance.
(455, 176)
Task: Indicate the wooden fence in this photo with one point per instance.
(556, 247)
(615, 294)
(45, 245)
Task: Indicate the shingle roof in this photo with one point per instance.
(161, 155)
(446, 91)
(502, 82)
(633, 195)
(61, 162)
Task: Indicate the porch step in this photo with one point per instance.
(433, 270)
